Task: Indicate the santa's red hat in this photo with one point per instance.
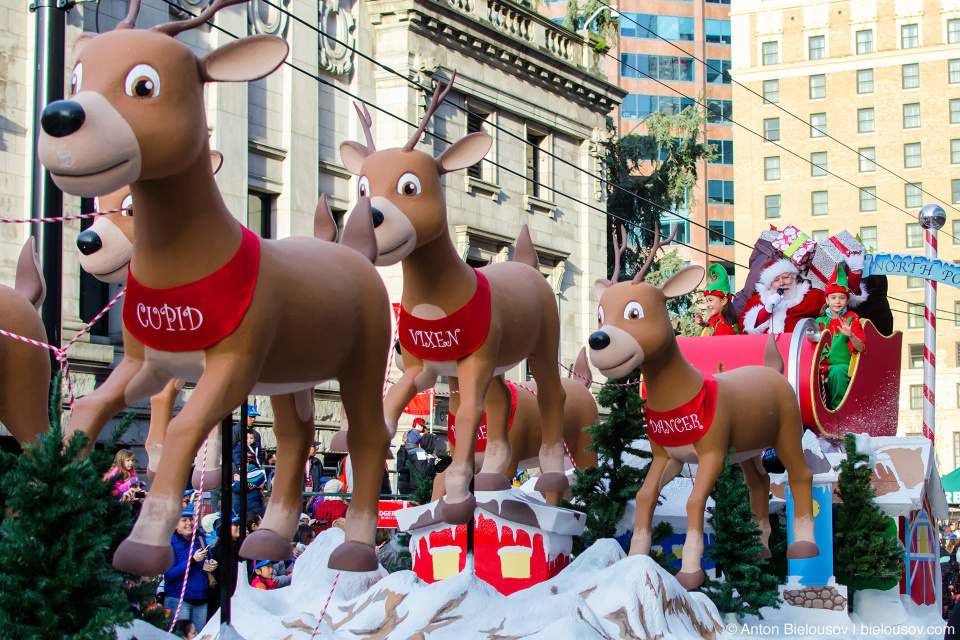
(776, 268)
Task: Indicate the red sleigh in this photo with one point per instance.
(871, 403)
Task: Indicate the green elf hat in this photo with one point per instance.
(838, 282)
(717, 282)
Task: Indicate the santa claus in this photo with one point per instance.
(784, 297)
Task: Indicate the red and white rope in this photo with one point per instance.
(193, 536)
(79, 216)
(930, 341)
(324, 612)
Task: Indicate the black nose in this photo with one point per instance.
(61, 118)
(89, 242)
(377, 217)
(598, 340)
(396, 345)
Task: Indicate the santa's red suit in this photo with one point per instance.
(768, 311)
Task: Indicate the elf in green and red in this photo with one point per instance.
(845, 335)
(716, 295)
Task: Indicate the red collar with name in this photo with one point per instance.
(482, 429)
(199, 314)
(687, 423)
(452, 337)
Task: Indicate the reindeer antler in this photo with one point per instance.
(618, 251)
(172, 29)
(657, 243)
(131, 20)
(438, 97)
(366, 121)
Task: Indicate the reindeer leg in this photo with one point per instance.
(709, 468)
(647, 501)
(161, 412)
(497, 457)
(222, 387)
(293, 426)
(550, 400)
(416, 377)
(210, 469)
(119, 391)
(439, 487)
(800, 478)
(759, 484)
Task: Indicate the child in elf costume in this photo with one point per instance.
(723, 319)
(845, 335)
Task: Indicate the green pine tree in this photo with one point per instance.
(748, 583)
(864, 552)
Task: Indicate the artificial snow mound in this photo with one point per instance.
(602, 594)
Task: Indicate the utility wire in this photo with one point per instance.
(955, 318)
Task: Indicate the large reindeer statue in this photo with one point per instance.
(209, 302)
(697, 418)
(471, 325)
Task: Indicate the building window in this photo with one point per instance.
(912, 194)
(818, 163)
(914, 235)
(771, 53)
(909, 36)
(820, 235)
(955, 151)
(724, 151)
(771, 128)
(953, 71)
(672, 68)
(771, 91)
(912, 157)
(953, 37)
(771, 206)
(956, 232)
(720, 191)
(818, 125)
(955, 191)
(956, 313)
(868, 157)
(536, 164)
(916, 390)
(914, 316)
(720, 233)
(865, 122)
(476, 122)
(865, 41)
(956, 437)
(915, 282)
(911, 115)
(955, 111)
(818, 47)
(865, 81)
(819, 203)
(868, 199)
(718, 71)
(916, 361)
(639, 106)
(771, 168)
(818, 86)
(260, 213)
(720, 111)
(645, 25)
(717, 31)
(868, 237)
(911, 76)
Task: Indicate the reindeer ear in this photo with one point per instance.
(216, 161)
(243, 60)
(599, 287)
(79, 44)
(358, 233)
(465, 152)
(324, 226)
(352, 155)
(29, 282)
(683, 282)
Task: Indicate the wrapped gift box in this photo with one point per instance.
(828, 254)
(795, 245)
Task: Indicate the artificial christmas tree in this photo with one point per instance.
(864, 551)
(748, 582)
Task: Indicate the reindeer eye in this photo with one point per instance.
(408, 185)
(364, 187)
(633, 311)
(600, 315)
(126, 207)
(76, 79)
(143, 81)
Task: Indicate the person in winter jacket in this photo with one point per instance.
(256, 478)
(191, 567)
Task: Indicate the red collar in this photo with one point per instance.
(452, 337)
(687, 423)
(198, 314)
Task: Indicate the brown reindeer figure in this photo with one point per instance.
(209, 302)
(25, 367)
(695, 418)
(469, 324)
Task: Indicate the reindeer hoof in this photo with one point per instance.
(764, 555)
(491, 482)
(458, 512)
(264, 544)
(353, 556)
(690, 580)
(338, 442)
(551, 481)
(801, 549)
(211, 479)
(142, 559)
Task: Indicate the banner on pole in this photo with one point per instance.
(896, 264)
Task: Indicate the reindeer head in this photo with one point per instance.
(136, 110)
(634, 324)
(406, 195)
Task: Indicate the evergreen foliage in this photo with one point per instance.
(863, 551)
(748, 583)
(421, 495)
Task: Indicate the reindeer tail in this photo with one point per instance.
(772, 357)
(581, 370)
(524, 251)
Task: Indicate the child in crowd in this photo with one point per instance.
(123, 476)
(184, 629)
(717, 296)
(846, 336)
(263, 576)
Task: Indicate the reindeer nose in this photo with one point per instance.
(89, 242)
(61, 118)
(598, 340)
(396, 345)
(377, 217)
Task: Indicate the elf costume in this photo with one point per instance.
(718, 285)
(835, 363)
